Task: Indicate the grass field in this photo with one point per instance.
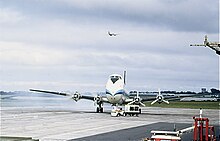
(190, 105)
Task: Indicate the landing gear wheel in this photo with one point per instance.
(97, 110)
(124, 114)
(101, 110)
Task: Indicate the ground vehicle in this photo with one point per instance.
(164, 136)
(117, 112)
(202, 132)
(129, 110)
(132, 110)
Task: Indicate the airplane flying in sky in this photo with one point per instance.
(115, 94)
(213, 45)
(112, 34)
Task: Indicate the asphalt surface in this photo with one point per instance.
(137, 133)
(52, 124)
(58, 119)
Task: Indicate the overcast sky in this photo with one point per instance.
(63, 45)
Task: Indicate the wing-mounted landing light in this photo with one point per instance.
(159, 99)
(137, 100)
(76, 96)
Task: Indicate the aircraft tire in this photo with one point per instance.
(124, 114)
(97, 110)
(101, 110)
(139, 111)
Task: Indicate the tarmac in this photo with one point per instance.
(55, 124)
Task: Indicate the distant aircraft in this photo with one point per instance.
(115, 94)
(213, 45)
(112, 34)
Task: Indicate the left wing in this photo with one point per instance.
(159, 98)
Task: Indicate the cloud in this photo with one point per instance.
(66, 42)
(9, 16)
(184, 15)
(177, 16)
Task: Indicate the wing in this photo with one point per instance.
(158, 98)
(50, 92)
(76, 96)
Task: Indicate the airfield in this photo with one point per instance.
(59, 124)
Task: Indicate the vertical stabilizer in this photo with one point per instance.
(124, 76)
(206, 40)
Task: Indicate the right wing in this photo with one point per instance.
(76, 96)
(50, 92)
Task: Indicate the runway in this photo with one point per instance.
(55, 118)
(55, 124)
(136, 133)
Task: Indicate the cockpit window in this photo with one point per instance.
(115, 78)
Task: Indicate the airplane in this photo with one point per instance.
(213, 45)
(115, 94)
(112, 34)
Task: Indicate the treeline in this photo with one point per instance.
(213, 91)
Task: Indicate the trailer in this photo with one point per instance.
(132, 110)
(164, 136)
(168, 135)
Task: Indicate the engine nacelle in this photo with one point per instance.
(98, 100)
(159, 99)
(137, 100)
(76, 96)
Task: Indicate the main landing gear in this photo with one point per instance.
(99, 108)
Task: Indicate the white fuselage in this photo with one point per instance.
(115, 91)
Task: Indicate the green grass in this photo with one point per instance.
(190, 105)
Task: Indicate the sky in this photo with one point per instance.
(63, 45)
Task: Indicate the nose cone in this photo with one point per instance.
(121, 91)
(115, 92)
(115, 99)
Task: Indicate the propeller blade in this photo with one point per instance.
(167, 102)
(142, 104)
(131, 102)
(159, 93)
(154, 101)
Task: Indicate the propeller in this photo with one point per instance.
(97, 100)
(159, 98)
(76, 96)
(154, 101)
(137, 100)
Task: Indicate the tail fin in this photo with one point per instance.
(124, 76)
(206, 40)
